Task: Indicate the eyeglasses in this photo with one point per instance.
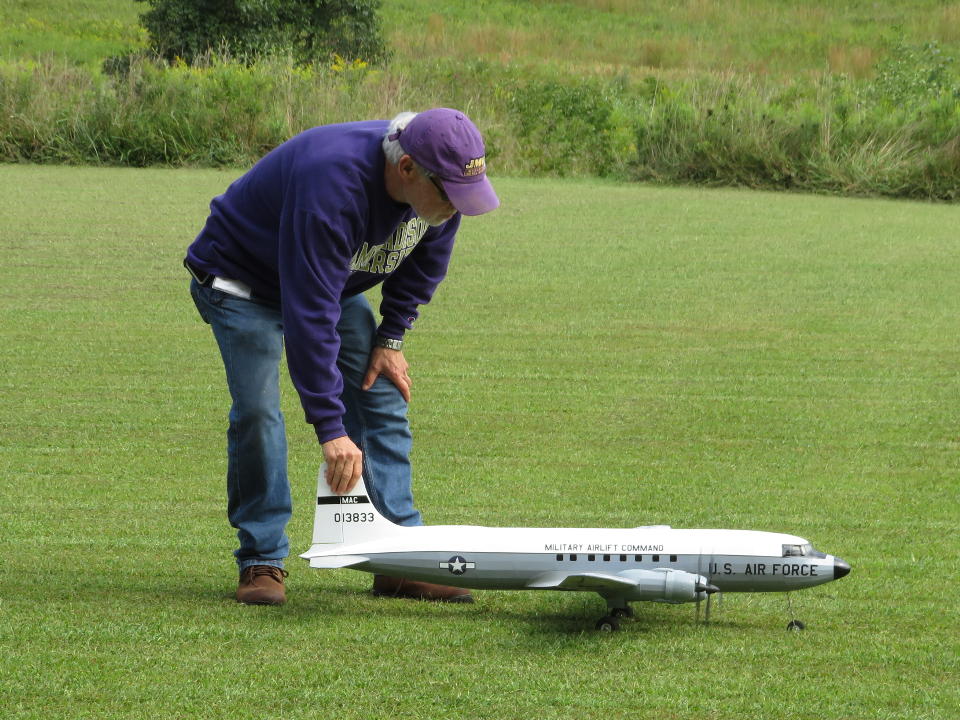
(439, 187)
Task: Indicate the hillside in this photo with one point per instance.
(851, 98)
(586, 36)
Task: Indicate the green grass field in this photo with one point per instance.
(84, 31)
(601, 354)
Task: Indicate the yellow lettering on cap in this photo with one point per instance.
(474, 167)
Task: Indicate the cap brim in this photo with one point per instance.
(475, 198)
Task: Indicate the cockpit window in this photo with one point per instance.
(796, 550)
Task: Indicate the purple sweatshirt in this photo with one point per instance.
(311, 223)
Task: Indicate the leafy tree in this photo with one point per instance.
(311, 30)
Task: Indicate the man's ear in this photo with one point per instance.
(406, 167)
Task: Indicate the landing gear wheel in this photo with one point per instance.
(624, 612)
(796, 625)
(608, 624)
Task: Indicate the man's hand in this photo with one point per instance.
(392, 365)
(344, 464)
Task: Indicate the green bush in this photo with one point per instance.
(571, 127)
(309, 30)
(912, 75)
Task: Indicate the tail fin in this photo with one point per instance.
(346, 519)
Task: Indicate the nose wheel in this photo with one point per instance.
(794, 625)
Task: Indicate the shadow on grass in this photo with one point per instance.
(341, 600)
(530, 613)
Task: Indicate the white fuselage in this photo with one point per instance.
(644, 563)
(508, 558)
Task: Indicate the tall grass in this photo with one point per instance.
(896, 136)
(825, 135)
(224, 113)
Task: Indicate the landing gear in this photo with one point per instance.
(617, 610)
(794, 625)
(608, 623)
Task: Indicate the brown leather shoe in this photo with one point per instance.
(386, 586)
(262, 585)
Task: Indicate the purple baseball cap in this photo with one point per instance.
(446, 143)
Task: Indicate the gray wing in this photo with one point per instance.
(335, 561)
(591, 581)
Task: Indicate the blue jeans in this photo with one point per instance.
(250, 337)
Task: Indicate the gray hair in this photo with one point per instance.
(391, 148)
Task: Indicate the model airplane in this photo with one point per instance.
(657, 562)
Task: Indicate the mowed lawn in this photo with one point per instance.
(600, 355)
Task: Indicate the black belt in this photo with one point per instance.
(231, 287)
(204, 278)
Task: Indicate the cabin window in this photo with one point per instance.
(623, 558)
(573, 557)
(591, 558)
(638, 558)
(656, 558)
(559, 557)
(606, 558)
(673, 558)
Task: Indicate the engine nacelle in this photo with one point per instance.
(665, 585)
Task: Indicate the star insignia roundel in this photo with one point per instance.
(458, 565)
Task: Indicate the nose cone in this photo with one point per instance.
(840, 568)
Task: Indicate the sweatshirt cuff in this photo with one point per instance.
(327, 431)
(391, 330)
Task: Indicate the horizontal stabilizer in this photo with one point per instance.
(334, 561)
(596, 582)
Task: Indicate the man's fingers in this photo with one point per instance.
(403, 385)
(369, 378)
(348, 488)
(344, 478)
(401, 380)
(344, 464)
(393, 366)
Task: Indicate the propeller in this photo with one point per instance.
(706, 587)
